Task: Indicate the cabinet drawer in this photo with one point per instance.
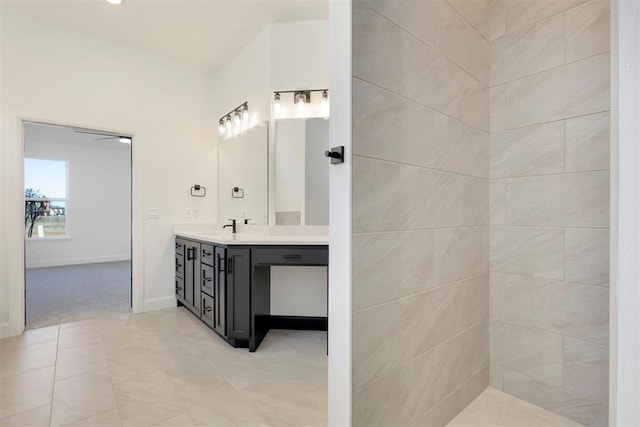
(179, 248)
(292, 256)
(207, 279)
(179, 265)
(206, 309)
(206, 254)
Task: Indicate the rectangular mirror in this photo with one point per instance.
(243, 177)
(301, 172)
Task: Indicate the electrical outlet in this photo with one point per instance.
(189, 213)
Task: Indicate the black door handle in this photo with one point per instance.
(336, 154)
(296, 256)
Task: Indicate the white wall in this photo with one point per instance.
(284, 56)
(98, 199)
(57, 75)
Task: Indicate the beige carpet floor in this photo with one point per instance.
(65, 294)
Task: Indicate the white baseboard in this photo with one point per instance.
(4, 330)
(78, 261)
(159, 303)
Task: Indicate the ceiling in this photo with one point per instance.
(205, 33)
(71, 136)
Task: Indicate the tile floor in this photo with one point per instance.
(493, 408)
(165, 368)
(161, 368)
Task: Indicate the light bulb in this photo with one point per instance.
(221, 128)
(277, 105)
(300, 101)
(236, 118)
(325, 101)
(228, 123)
(245, 113)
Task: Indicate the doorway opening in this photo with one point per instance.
(78, 224)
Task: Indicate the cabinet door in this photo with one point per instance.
(220, 287)
(238, 292)
(192, 275)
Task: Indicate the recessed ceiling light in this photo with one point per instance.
(114, 1)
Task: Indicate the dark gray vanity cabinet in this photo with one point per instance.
(220, 290)
(180, 268)
(214, 282)
(188, 274)
(238, 293)
(207, 285)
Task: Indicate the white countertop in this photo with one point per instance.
(254, 239)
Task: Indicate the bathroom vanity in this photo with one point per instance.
(224, 280)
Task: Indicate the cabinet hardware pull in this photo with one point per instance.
(220, 264)
(229, 265)
(207, 279)
(205, 253)
(297, 256)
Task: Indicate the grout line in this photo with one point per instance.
(536, 380)
(430, 350)
(53, 385)
(469, 22)
(24, 412)
(433, 48)
(552, 280)
(410, 230)
(547, 331)
(549, 174)
(419, 167)
(467, 381)
(427, 107)
(422, 292)
(507, 82)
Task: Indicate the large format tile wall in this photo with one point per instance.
(550, 204)
(420, 209)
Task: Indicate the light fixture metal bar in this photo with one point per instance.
(300, 90)
(238, 108)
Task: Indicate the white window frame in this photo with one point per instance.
(67, 235)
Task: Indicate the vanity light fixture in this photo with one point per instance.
(301, 98)
(236, 116)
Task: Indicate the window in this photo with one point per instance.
(45, 198)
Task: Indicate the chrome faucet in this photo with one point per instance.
(233, 226)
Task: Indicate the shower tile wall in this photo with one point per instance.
(420, 209)
(549, 205)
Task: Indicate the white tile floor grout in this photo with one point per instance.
(160, 368)
(166, 368)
